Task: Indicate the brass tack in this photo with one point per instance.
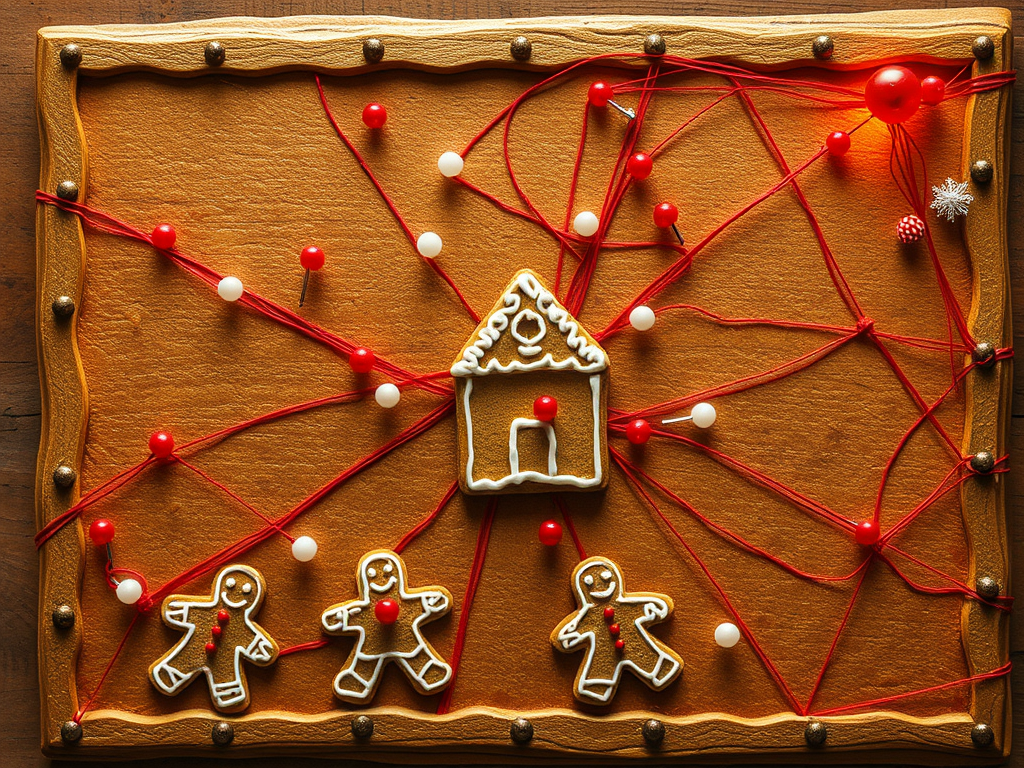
(521, 730)
(654, 731)
(214, 53)
(983, 47)
(521, 48)
(70, 732)
(373, 50)
(983, 462)
(71, 56)
(63, 307)
(987, 587)
(984, 353)
(815, 733)
(64, 476)
(362, 727)
(67, 190)
(983, 736)
(654, 45)
(222, 734)
(981, 171)
(823, 47)
(63, 617)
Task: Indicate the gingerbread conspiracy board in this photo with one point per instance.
(566, 390)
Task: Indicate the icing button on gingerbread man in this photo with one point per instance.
(219, 635)
(387, 618)
(611, 625)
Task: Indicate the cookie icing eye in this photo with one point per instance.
(606, 575)
(230, 583)
(588, 580)
(372, 573)
(388, 568)
(247, 588)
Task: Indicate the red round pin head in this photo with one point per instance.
(312, 258)
(161, 444)
(163, 237)
(867, 533)
(362, 360)
(374, 115)
(893, 94)
(933, 90)
(101, 532)
(665, 215)
(638, 432)
(640, 166)
(550, 533)
(599, 94)
(838, 143)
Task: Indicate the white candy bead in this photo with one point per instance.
(642, 318)
(429, 244)
(230, 289)
(703, 415)
(727, 634)
(585, 223)
(304, 549)
(387, 395)
(129, 591)
(450, 164)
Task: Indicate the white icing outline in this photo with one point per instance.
(515, 477)
(513, 443)
(584, 356)
(335, 621)
(262, 651)
(568, 639)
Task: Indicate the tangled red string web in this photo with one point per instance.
(577, 260)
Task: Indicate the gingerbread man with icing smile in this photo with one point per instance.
(611, 625)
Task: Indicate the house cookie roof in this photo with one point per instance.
(528, 330)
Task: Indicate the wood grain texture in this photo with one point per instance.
(18, 371)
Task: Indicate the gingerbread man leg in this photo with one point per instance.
(593, 687)
(170, 679)
(358, 679)
(426, 669)
(229, 693)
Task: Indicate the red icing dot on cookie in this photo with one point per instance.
(223, 616)
(216, 630)
(545, 408)
(619, 645)
(210, 647)
(609, 612)
(386, 611)
(614, 629)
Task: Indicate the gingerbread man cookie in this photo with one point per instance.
(219, 634)
(611, 625)
(386, 618)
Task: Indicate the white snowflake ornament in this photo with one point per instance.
(951, 199)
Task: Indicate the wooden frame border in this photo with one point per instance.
(334, 45)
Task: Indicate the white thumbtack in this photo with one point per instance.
(702, 415)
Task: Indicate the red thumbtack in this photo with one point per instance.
(311, 258)
(600, 95)
(666, 215)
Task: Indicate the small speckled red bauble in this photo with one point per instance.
(910, 229)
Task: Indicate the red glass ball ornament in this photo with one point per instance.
(545, 408)
(374, 115)
(161, 444)
(386, 611)
(101, 532)
(638, 432)
(312, 258)
(550, 533)
(867, 533)
(599, 94)
(223, 616)
(640, 166)
(838, 143)
(210, 647)
(614, 629)
(216, 631)
(362, 360)
(910, 229)
(620, 644)
(665, 215)
(933, 89)
(893, 94)
(609, 612)
(163, 237)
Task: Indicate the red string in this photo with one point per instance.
(560, 503)
(106, 671)
(444, 705)
(312, 645)
(425, 522)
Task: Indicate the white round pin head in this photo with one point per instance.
(450, 164)
(129, 591)
(727, 634)
(585, 223)
(304, 549)
(703, 415)
(230, 289)
(387, 395)
(429, 245)
(642, 318)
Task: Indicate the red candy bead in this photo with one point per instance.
(910, 229)
(893, 94)
(223, 616)
(312, 258)
(838, 143)
(638, 432)
(619, 645)
(386, 611)
(614, 629)
(640, 166)
(210, 647)
(867, 533)
(161, 444)
(932, 90)
(362, 360)
(215, 630)
(545, 408)
(163, 237)
(101, 532)
(609, 612)
(599, 94)
(374, 115)
(550, 533)
(665, 215)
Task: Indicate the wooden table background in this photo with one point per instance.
(19, 386)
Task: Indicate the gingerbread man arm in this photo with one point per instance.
(435, 601)
(655, 609)
(175, 613)
(567, 636)
(262, 650)
(336, 618)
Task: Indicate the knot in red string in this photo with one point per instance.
(865, 325)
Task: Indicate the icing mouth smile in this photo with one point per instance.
(605, 593)
(382, 587)
(226, 599)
